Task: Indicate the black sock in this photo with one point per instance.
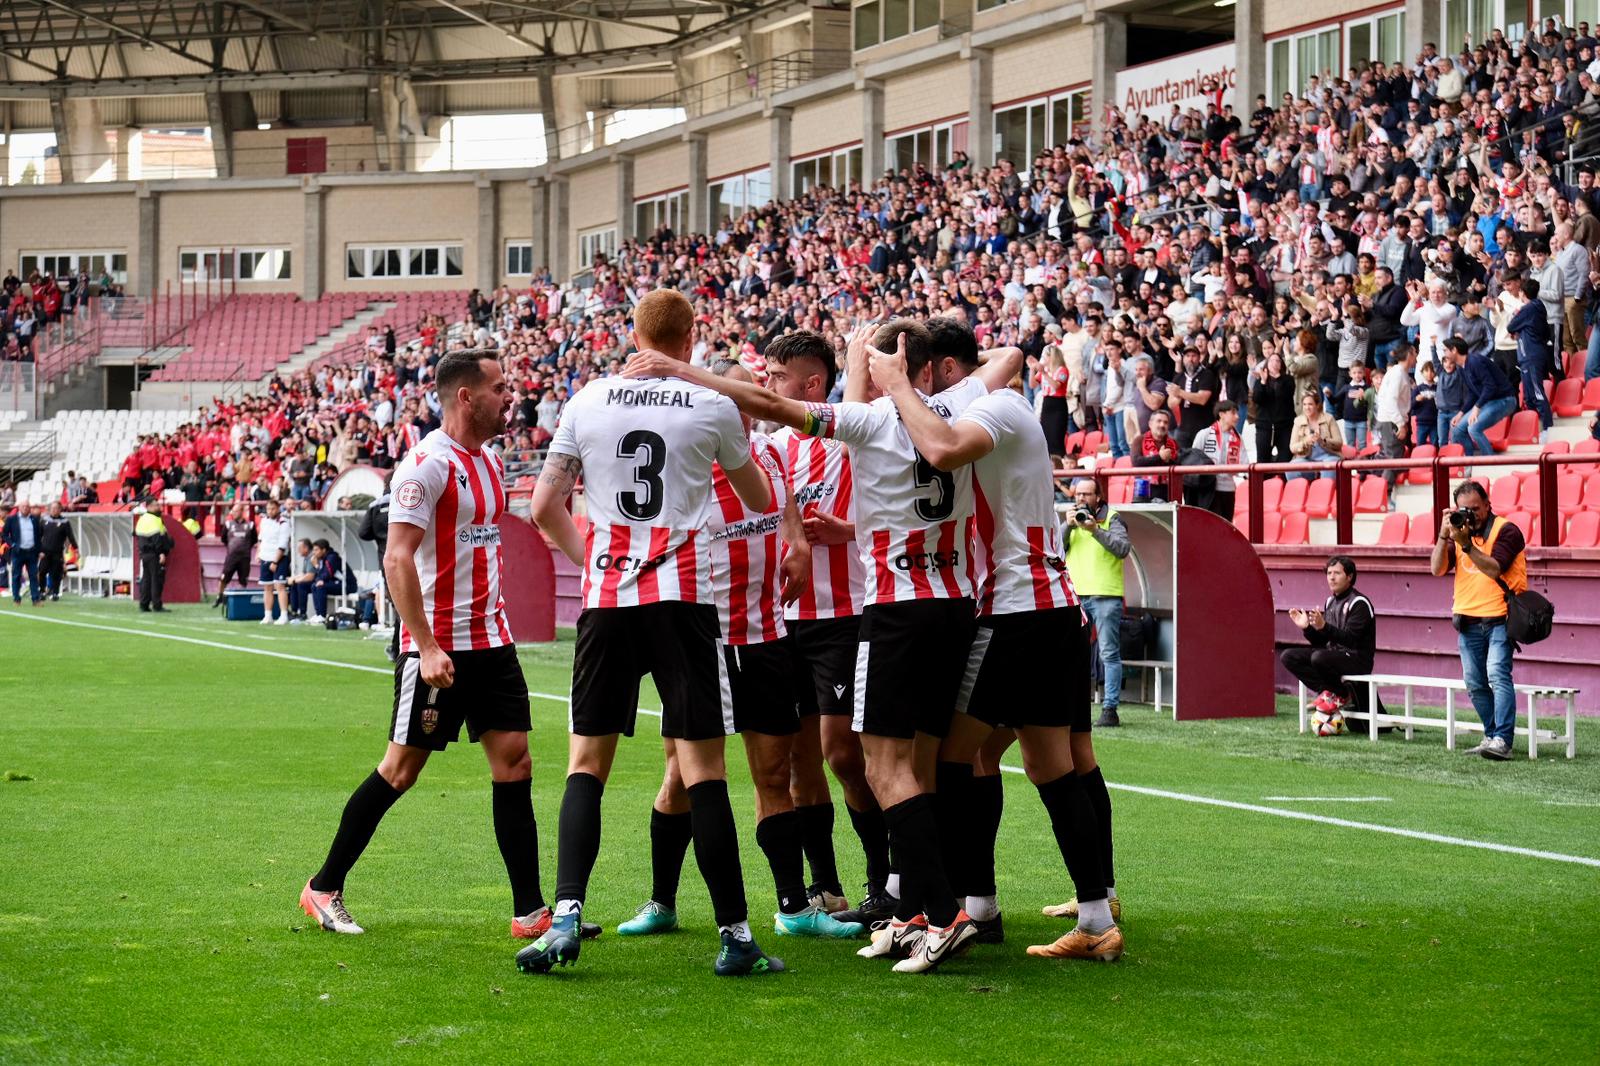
(365, 809)
(669, 843)
(1073, 821)
(874, 833)
(779, 838)
(1094, 785)
(716, 850)
(952, 807)
(915, 832)
(518, 836)
(816, 839)
(988, 802)
(578, 836)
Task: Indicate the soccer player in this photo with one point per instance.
(458, 663)
(645, 449)
(746, 557)
(917, 621)
(1028, 615)
(825, 627)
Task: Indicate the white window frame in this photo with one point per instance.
(372, 254)
(881, 14)
(75, 258)
(1371, 22)
(933, 132)
(743, 181)
(1298, 79)
(522, 250)
(671, 206)
(1052, 136)
(1497, 20)
(835, 159)
(224, 264)
(600, 241)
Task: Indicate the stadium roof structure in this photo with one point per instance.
(135, 48)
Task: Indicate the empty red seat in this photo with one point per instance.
(1504, 493)
(1093, 441)
(1555, 447)
(1319, 497)
(1424, 527)
(1568, 399)
(1271, 526)
(1296, 529)
(1591, 492)
(1395, 528)
(1591, 394)
(1575, 362)
(1372, 496)
(1271, 493)
(1293, 497)
(1523, 521)
(1569, 494)
(1421, 475)
(1583, 530)
(1523, 428)
(1587, 446)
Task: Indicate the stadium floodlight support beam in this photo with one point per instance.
(1250, 56)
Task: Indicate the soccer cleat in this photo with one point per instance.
(559, 946)
(878, 906)
(589, 931)
(1069, 909)
(1104, 946)
(829, 902)
(531, 927)
(895, 939)
(742, 958)
(652, 918)
(328, 909)
(815, 922)
(990, 930)
(938, 945)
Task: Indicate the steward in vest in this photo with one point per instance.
(1097, 543)
(1484, 550)
(150, 534)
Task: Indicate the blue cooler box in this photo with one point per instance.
(244, 605)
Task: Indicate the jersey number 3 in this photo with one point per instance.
(942, 505)
(646, 505)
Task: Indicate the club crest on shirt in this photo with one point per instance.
(409, 494)
(430, 719)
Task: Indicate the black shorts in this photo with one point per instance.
(1029, 669)
(488, 693)
(908, 666)
(235, 567)
(825, 663)
(677, 644)
(275, 573)
(761, 677)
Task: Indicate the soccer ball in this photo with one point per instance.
(1327, 719)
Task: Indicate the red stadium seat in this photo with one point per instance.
(1568, 400)
(1075, 442)
(1574, 366)
(1496, 433)
(1319, 498)
(1093, 441)
(1271, 493)
(1591, 394)
(1569, 494)
(1395, 528)
(1271, 526)
(1421, 475)
(1523, 428)
(1424, 527)
(1555, 447)
(1296, 529)
(1294, 496)
(1523, 520)
(1591, 492)
(1372, 497)
(1583, 530)
(1504, 493)
(1586, 446)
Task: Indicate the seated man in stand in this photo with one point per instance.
(1343, 636)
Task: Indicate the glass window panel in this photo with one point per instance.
(1586, 11)
(1036, 119)
(1011, 135)
(284, 270)
(925, 13)
(392, 262)
(1392, 35)
(1556, 9)
(119, 268)
(1328, 51)
(452, 260)
(1361, 54)
(941, 146)
(1060, 120)
(867, 24)
(430, 262)
(896, 18)
(355, 263)
(758, 190)
(987, 5)
(415, 266)
(1280, 72)
(1455, 20)
(30, 263)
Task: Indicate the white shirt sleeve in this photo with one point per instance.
(565, 439)
(733, 446)
(994, 415)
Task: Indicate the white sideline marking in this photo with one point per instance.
(1160, 793)
(1325, 799)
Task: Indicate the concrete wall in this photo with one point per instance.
(85, 223)
(924, 96)
(827, 123)
(219, 218)
(264, 154)
(659, 169)
(1276, 18)
(737, 148)
(1043, 64)
(395, 213)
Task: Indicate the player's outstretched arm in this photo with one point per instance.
(997, 371)
(556, 479)
(405, 589)
(752, 399)
(947, 446)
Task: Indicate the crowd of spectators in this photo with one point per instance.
(1296, 262)
(31, 304)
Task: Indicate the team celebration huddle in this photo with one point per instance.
(877, 587)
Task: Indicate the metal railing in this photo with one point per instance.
(25, 453)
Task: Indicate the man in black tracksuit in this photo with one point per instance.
(53, 540)
(1343, 636)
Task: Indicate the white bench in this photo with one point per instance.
(1409, 720)
(1154, 666)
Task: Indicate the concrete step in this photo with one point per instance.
(342, 335)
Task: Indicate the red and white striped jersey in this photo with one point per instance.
(822, 480)
(456, 496)
(647, 446)
(1016, 545)
(746, 548)
(911, 518)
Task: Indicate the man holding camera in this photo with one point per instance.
(1342, 635)
(1097, 542)
(1487, 553)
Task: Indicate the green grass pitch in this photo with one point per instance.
(161, 803)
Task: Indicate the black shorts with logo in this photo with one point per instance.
(678, 644)
(1029, 669)
(908, 666)
(825, 663)
(761, 677)
(488, 693)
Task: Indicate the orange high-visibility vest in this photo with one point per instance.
(1478, 595)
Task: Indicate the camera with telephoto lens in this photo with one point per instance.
(1462, 518)
(1083, 515)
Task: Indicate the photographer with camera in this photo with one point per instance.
(1097, 543)
(1487, 553)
